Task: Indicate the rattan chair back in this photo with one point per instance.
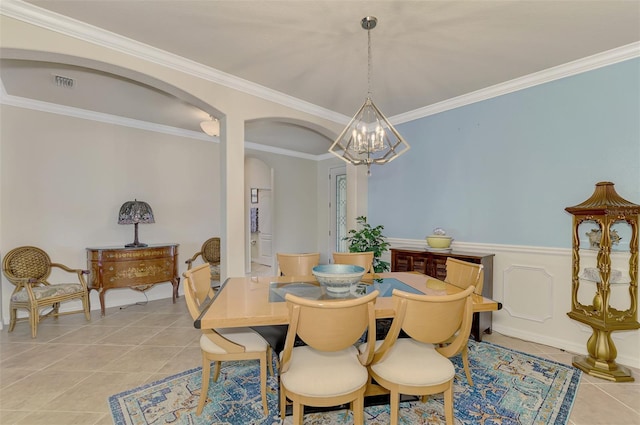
(210, 252)
(26, 262)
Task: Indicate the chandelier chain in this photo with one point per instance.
(369, 63)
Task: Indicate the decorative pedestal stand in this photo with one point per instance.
(603, 209)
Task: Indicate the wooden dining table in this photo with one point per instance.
(259, 301)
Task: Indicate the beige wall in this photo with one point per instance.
(64, 180)
(104, 160)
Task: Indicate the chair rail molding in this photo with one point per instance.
(533, 283)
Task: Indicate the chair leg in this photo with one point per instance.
(465, 362)
(86, 304)
(204, 388)
(263, 382)
(357, 407)
(216, 371)
(270, 360)
(448, 403)
(298, 410)
(34, 318)
(13, 318)
(283, 402)
(394, 399)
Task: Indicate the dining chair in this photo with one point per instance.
(362, 259)
(297, 264)
(464, 274)
(417, 365)
(210, 253)
(218, 345)
(328, 370)
(29, 268)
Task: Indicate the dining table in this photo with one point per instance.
(260, 301)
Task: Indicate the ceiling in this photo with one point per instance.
(423, 52)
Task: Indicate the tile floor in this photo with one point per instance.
(67, 373)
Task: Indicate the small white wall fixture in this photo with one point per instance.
(528, 292)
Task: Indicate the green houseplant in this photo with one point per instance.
(369, 238)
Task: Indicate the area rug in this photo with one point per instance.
(510, 388)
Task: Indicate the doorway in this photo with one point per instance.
(337, 210)
(259, 197)
(264, 254)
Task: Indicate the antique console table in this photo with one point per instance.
(137, 268)
(433, 263)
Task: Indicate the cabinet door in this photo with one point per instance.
(420, 265)
(438, 267)
(403, 262)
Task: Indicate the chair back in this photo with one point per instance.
(464, 274)
(211, 250)
(330, 325)
(26, 262)
(297, 264)
(362, 259)
(431, 320)
(197, 288)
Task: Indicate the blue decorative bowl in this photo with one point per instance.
(338, 278)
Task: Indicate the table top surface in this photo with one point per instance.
(257, 301)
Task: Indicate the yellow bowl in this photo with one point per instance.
(439, 242)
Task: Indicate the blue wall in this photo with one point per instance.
(503, 170)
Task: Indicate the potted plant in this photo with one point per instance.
(369, 238)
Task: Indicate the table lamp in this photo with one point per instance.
(134, 212)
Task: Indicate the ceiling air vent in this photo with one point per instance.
(64, 81)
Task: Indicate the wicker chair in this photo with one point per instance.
(28, 268)
(210, 253)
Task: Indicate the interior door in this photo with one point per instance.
(265, 249)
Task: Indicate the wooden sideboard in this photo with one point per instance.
(433, 263)
(137, 268)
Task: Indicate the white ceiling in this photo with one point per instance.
(424, 52)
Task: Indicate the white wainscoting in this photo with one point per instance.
(534, 286)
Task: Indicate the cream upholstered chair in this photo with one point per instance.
(416, 365)
(362, 259)
(464, 274)
(29, 269)
(297, 264)
(226, 343)
(328, 371)
(210, 253)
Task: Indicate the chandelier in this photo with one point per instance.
(369, 138)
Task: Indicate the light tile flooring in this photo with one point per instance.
(67, 373)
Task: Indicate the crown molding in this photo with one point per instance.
(73, 28)
(53, 108)
(579, 66)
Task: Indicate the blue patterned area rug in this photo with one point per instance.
(510, 388)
